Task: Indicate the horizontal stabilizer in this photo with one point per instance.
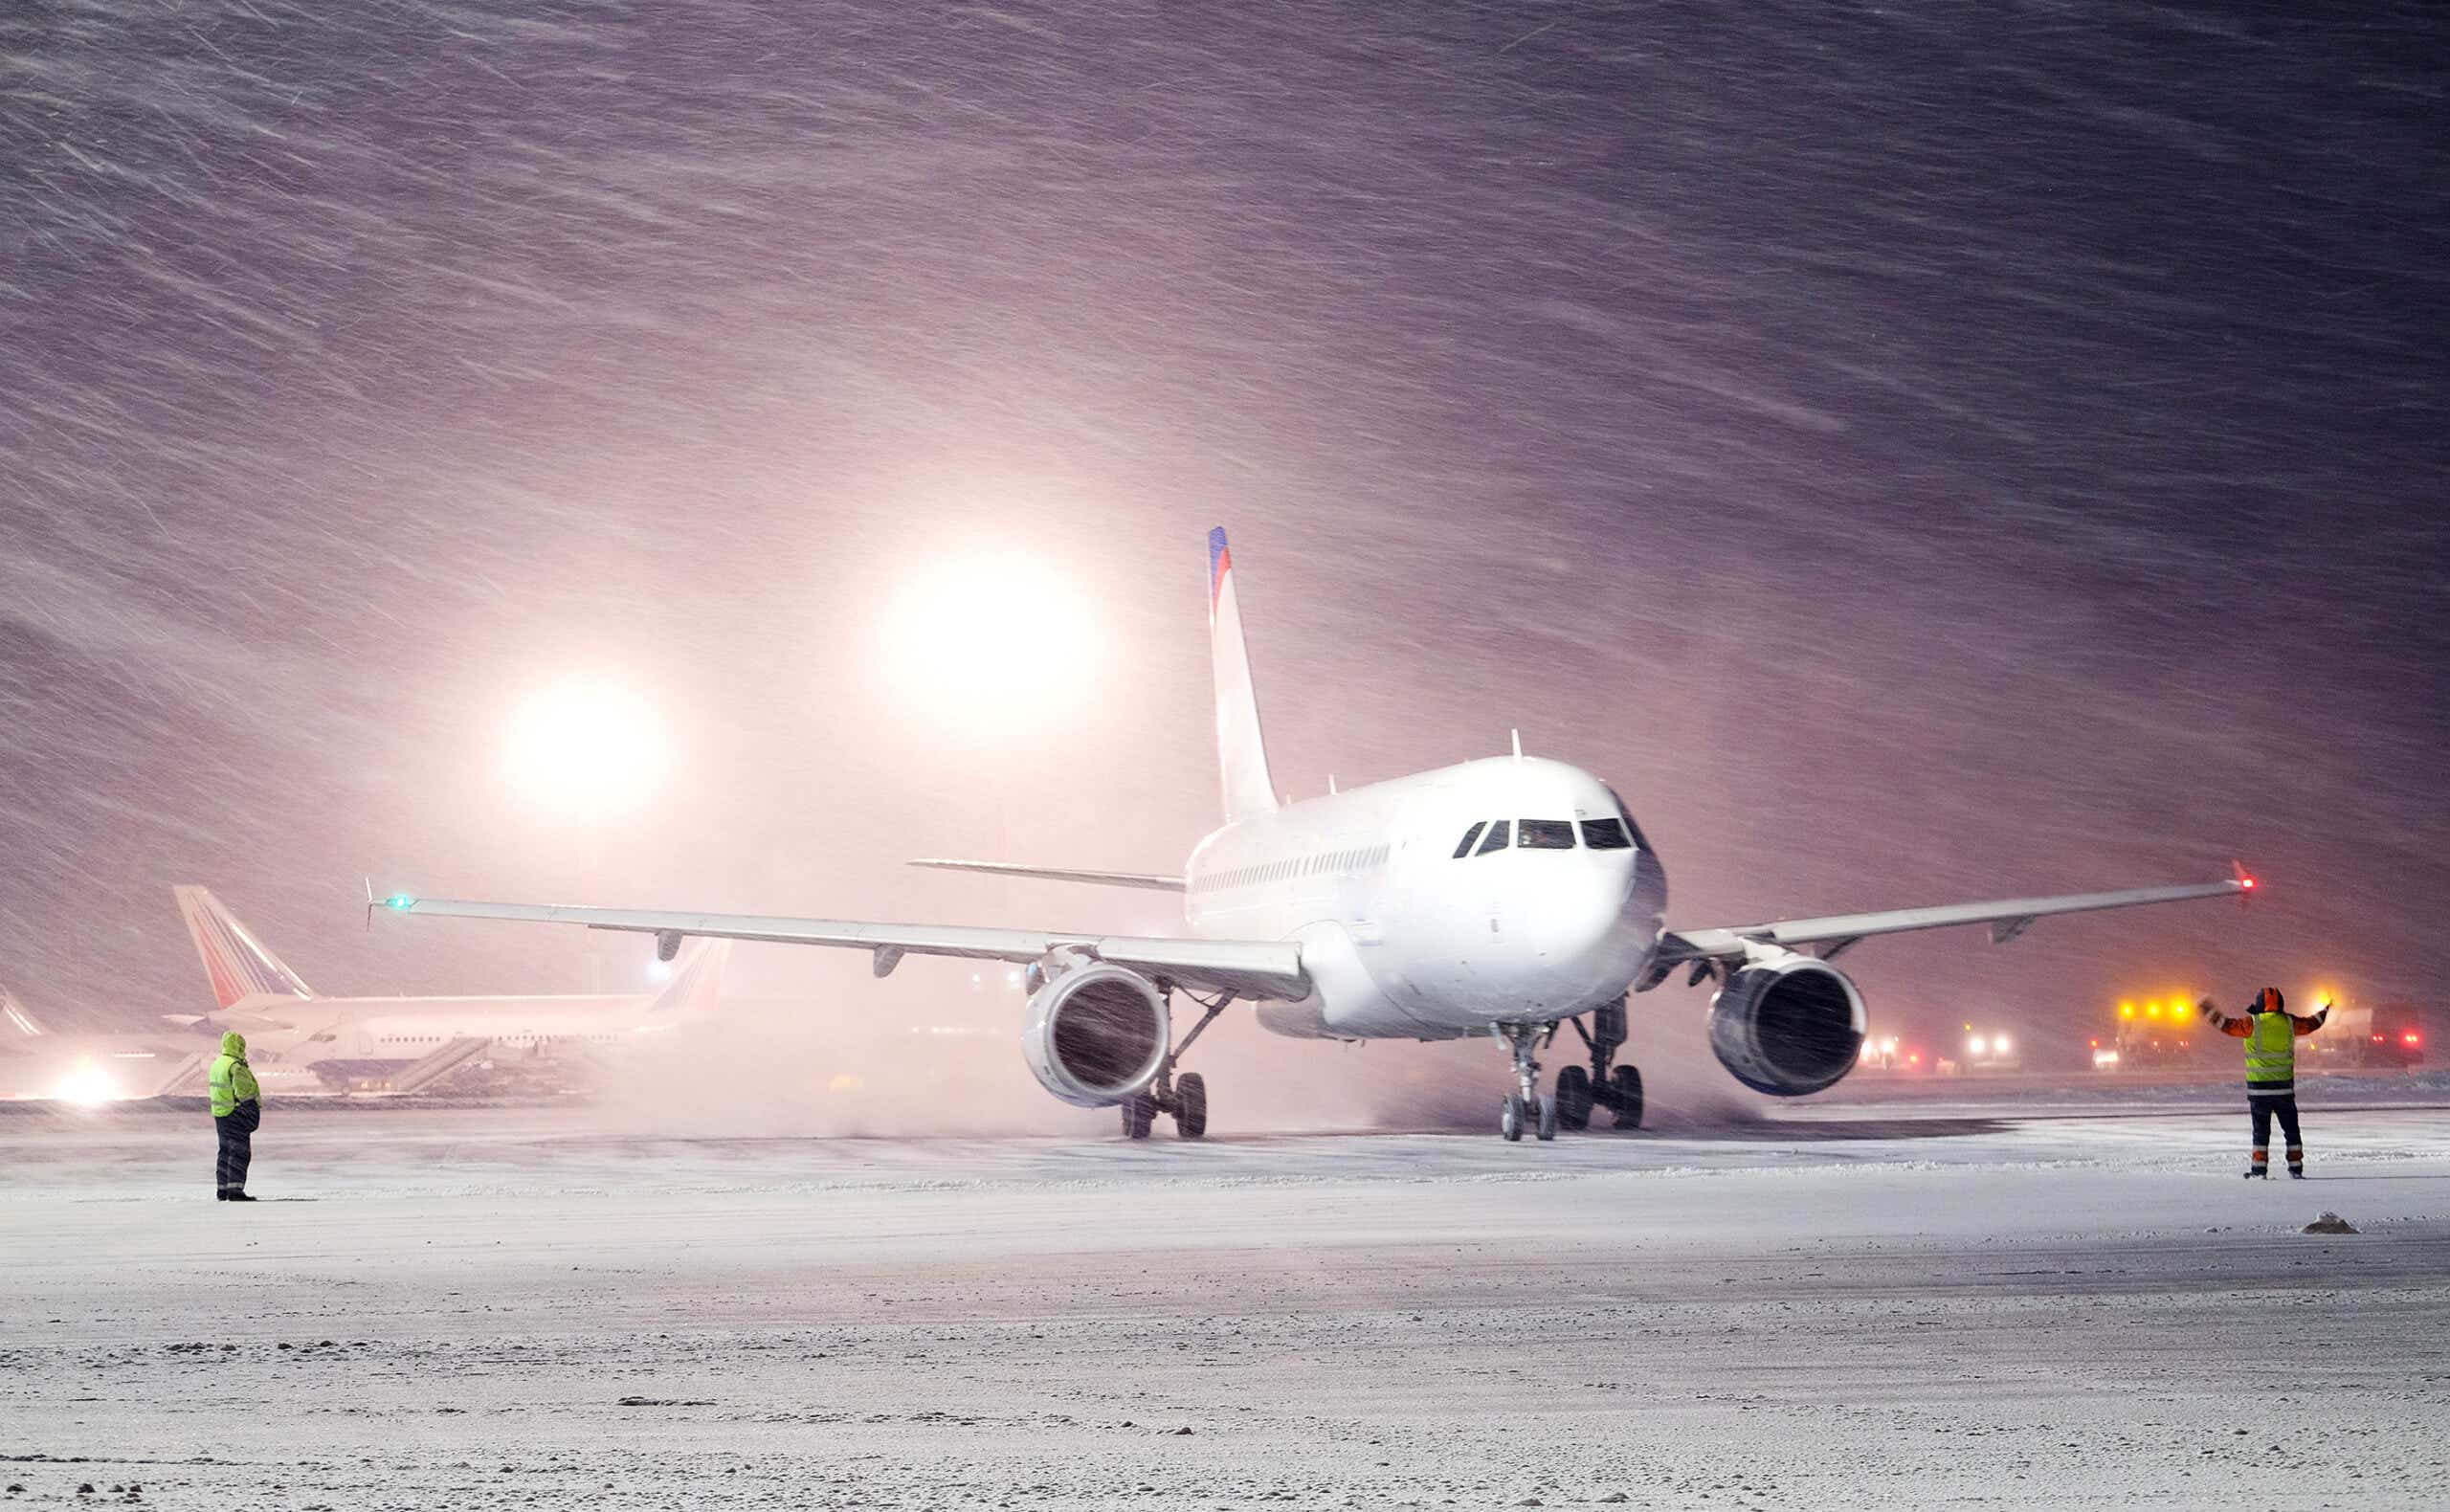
(1059, 874)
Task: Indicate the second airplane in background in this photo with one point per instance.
(1505, 897)
(406, 1044)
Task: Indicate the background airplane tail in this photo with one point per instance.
(1241, 751)
(241, 965)
(696, 982)
(14, 1020)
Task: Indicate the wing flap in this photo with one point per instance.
(1059, 874)
(1267, 968)
(2008, 917)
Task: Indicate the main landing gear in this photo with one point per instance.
(1184, 1098)
(1617, 1088)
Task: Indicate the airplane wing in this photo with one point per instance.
(1058, 873)
(1249, 968)
(2008, 917)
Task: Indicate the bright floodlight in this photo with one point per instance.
(87, 1084)
(990, 628)
(584, 744)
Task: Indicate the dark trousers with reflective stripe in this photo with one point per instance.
(236, 1128)
(2262, 1110)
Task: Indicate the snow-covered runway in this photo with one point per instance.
(1863, 1307)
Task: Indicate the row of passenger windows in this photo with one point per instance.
(1542, 834)
(507, 1039)
(1360, 858)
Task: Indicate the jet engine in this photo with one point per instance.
(1787, 1024)
(1096, 1033)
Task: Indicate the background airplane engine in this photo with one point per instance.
(1096, 1035)
(1787, 1024)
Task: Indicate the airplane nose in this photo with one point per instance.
(1593, 936)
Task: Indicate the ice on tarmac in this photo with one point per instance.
(1875, 1305)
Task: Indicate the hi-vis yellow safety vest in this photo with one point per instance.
(2271, 1053)
(231, 1083)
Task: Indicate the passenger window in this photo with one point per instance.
(1606, 834)
(1499, 834)
(1469, 836)
(1544, 834)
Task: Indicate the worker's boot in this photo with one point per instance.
(237, 1196)
(2253, 1173)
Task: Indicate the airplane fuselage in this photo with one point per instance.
(369, 1033)
(1509, 890)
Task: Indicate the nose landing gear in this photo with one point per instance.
(1606, 1084)
(1523, 1039)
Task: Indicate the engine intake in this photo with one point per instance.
(1096, 1035)
(1787, 1024)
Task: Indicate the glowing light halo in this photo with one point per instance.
(582, 745)
(984, 629)
(86, 1085)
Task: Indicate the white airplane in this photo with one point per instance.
(38, 1063)
(402, 1044)
(1503, 897)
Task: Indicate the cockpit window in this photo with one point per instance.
(1640, 840)
(1544, 834)
(1497, 835)
(1469, 836)
(1606, 834)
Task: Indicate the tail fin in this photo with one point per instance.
(13, 1017)
(1241, 751)
(697, 980)
(241, 965)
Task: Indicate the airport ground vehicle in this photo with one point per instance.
(2379, 1036)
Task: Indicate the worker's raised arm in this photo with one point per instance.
(2233, 1027)
(2307, 1026)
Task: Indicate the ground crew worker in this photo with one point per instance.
(2271, 1034)
(237, 1111)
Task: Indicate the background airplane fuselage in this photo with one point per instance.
(1401, 937)
(363, 1032)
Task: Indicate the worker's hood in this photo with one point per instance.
(234, 1044)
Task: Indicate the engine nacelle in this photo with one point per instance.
(1096, 1033)
(1787, 1024)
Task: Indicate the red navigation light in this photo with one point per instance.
(2411, 1036)
(2246, 882)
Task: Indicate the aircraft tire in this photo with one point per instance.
(1574, 1098)
(1190, 1107)
(1625, 1086)
(1547, 1117)
(1139, 1114)
(1509, 1120)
